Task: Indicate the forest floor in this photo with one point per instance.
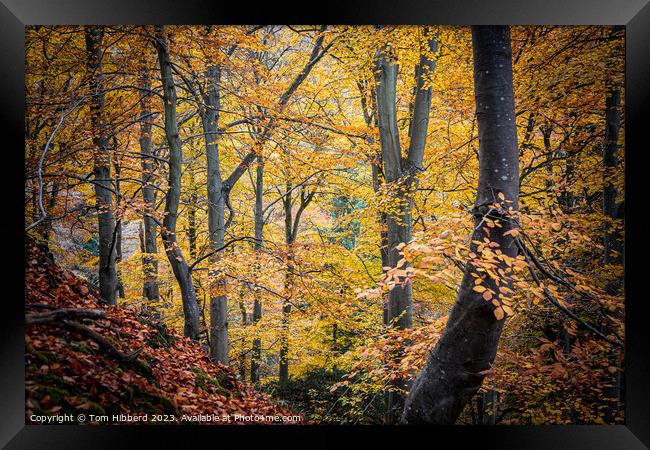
(85, 359)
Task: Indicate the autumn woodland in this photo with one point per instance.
(325, 224)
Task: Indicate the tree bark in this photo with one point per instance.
(456, 367)
(289, 238)
(612, 241)
(172, 249)
(150, 289)
(219, 190)
(118, 222)
(291, 226)
(101, 168)
(613, 244)
(370, 117)
(256, 354)
(400, 173)
(216, 217)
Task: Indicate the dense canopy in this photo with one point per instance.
(309, 203)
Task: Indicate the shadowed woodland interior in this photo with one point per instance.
(350, 224)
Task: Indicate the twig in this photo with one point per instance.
(64, 114)
(555, 303)
(227, 244)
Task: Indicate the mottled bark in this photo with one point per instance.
(48, 229)
(172, 249)
(101, 167)
(456, 367)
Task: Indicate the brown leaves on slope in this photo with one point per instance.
(171, 378)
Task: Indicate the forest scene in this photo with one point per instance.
(310, 224)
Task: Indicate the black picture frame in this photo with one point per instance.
(16, 14)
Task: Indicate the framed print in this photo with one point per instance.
(377, 219)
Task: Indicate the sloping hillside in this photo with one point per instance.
(85, 358)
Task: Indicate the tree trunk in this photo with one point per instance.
(192, 206)
(216, 218)
(150, 289)
(256, 354)
(48, 226)
(612, 242)
(244, 321)
(283, 375)
(400, 173)
(118, 224)
(219, 190)
(456, 367)
(612, 238)
(101, 169)
(383, 239)
(370, 117)
(172, 249)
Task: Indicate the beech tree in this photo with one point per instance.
(400, 172)
(108, 285)
(175, 256)
(150, 288)
(219, 190)
(350, 214)
(463, 355)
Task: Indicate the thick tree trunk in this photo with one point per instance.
(256, 354)
(172, 249)
(456, 367)
(150, 289)
(219, 190)
(400, 174)
(101, 169)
